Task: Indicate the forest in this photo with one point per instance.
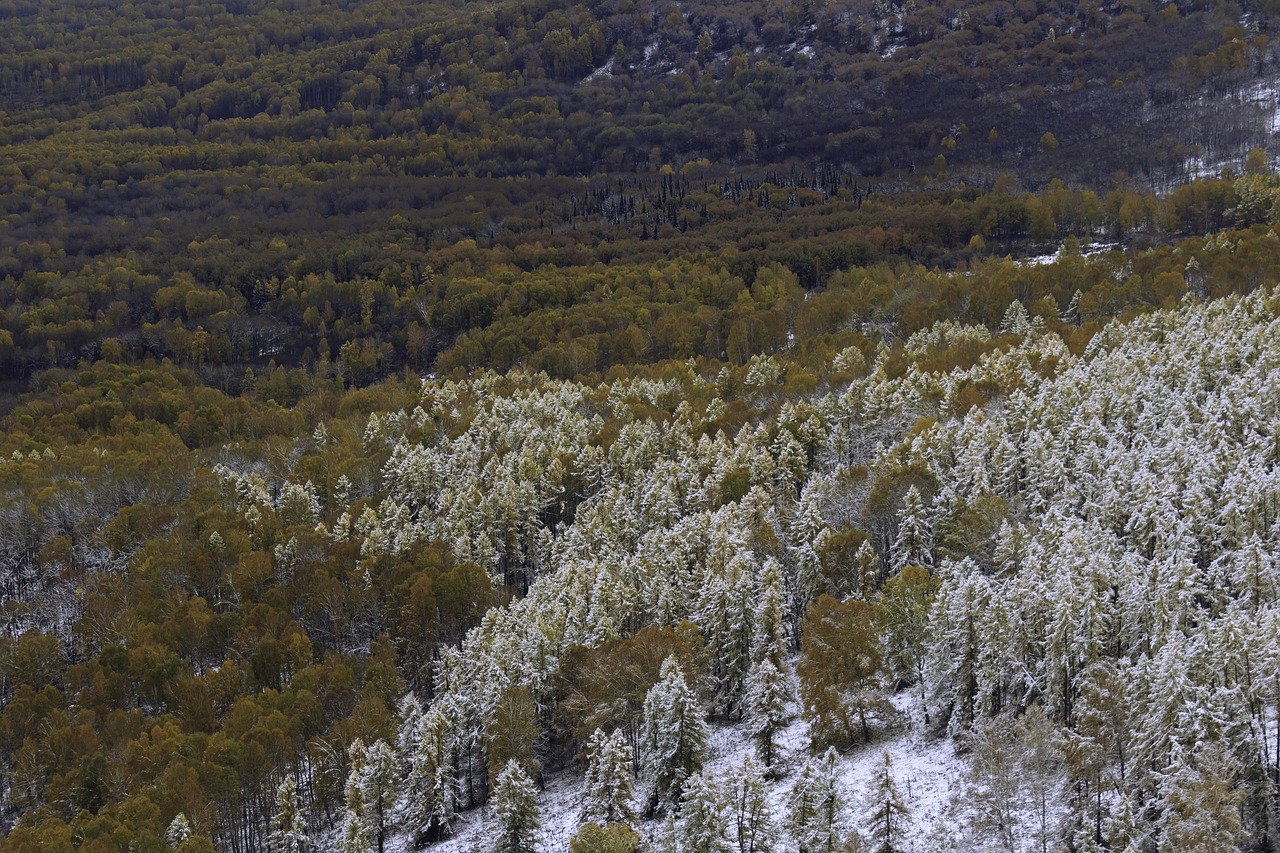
(801, 425)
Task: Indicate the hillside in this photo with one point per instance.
(418, 418)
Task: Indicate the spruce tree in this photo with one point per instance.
(887, 816)
(704, 815)
(379, 791)
(179, 830)
(751, 826)
(516, 825)
(608, 780)
(353, 832)
(675, 735)
(288, 832)
(816, 806)
(768, 692)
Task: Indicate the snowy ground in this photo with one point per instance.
(1088, 250)
(928, 772)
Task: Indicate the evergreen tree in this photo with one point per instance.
(815, 815)
(608, 780)
(516, 825)
(353, 831)
(887, 817)
(770, 617)
(704, 815)
(675, 735)
(430, 798)
(379, 791)
(288, 832)
(751, 827)
(914, 545)
(179, 830)
(1200, 803)
(768, 692)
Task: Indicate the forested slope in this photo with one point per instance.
(397, 390)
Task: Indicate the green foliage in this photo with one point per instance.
(611, 838)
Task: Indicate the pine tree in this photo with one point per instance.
(751, 826)
(179, 830)
(704, 815)
(289, 825)
(379, 791)
(887, 817)
(516, 826)
(770, 617)
(675, 735)
(768, 692)
(816, 805)
(430, 798)
(914, 545)
(608, 780)
(353, 833)
(1200, 802)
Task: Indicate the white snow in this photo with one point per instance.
(929, 773)
(605, 70)
(1088, 250)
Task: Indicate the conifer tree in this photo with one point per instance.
(675, 735)
(751, 827)
(914, 545)
(179, 830)
(379, 791)
(517, 827)
(816, 806)
(768, 692)
(608, 780)
(288, 826)
(430, 799)
(887, 817)
(704, 815)
(353, 831)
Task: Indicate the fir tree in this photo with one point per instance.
(379, 791)
(516, 827)
(914, 545)
(430, 791)
(704, 815)
(179, 830)
(353, 831)
(768, 692)
(608, 780)
(751, 827)
(675, 735)
(887, 817)
(289, 826)
(816, 805)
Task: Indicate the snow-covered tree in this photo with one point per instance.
(751, 826)
(769, 691)
(430, 796)
(516, 823)
(816, 805)
(179, 830)
(379, 783)
(608, 780)
(675, 735)
(704, 815)
(353, 829)
(887, 817)
(914, 544)
(288, 832)
(1200, 803)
